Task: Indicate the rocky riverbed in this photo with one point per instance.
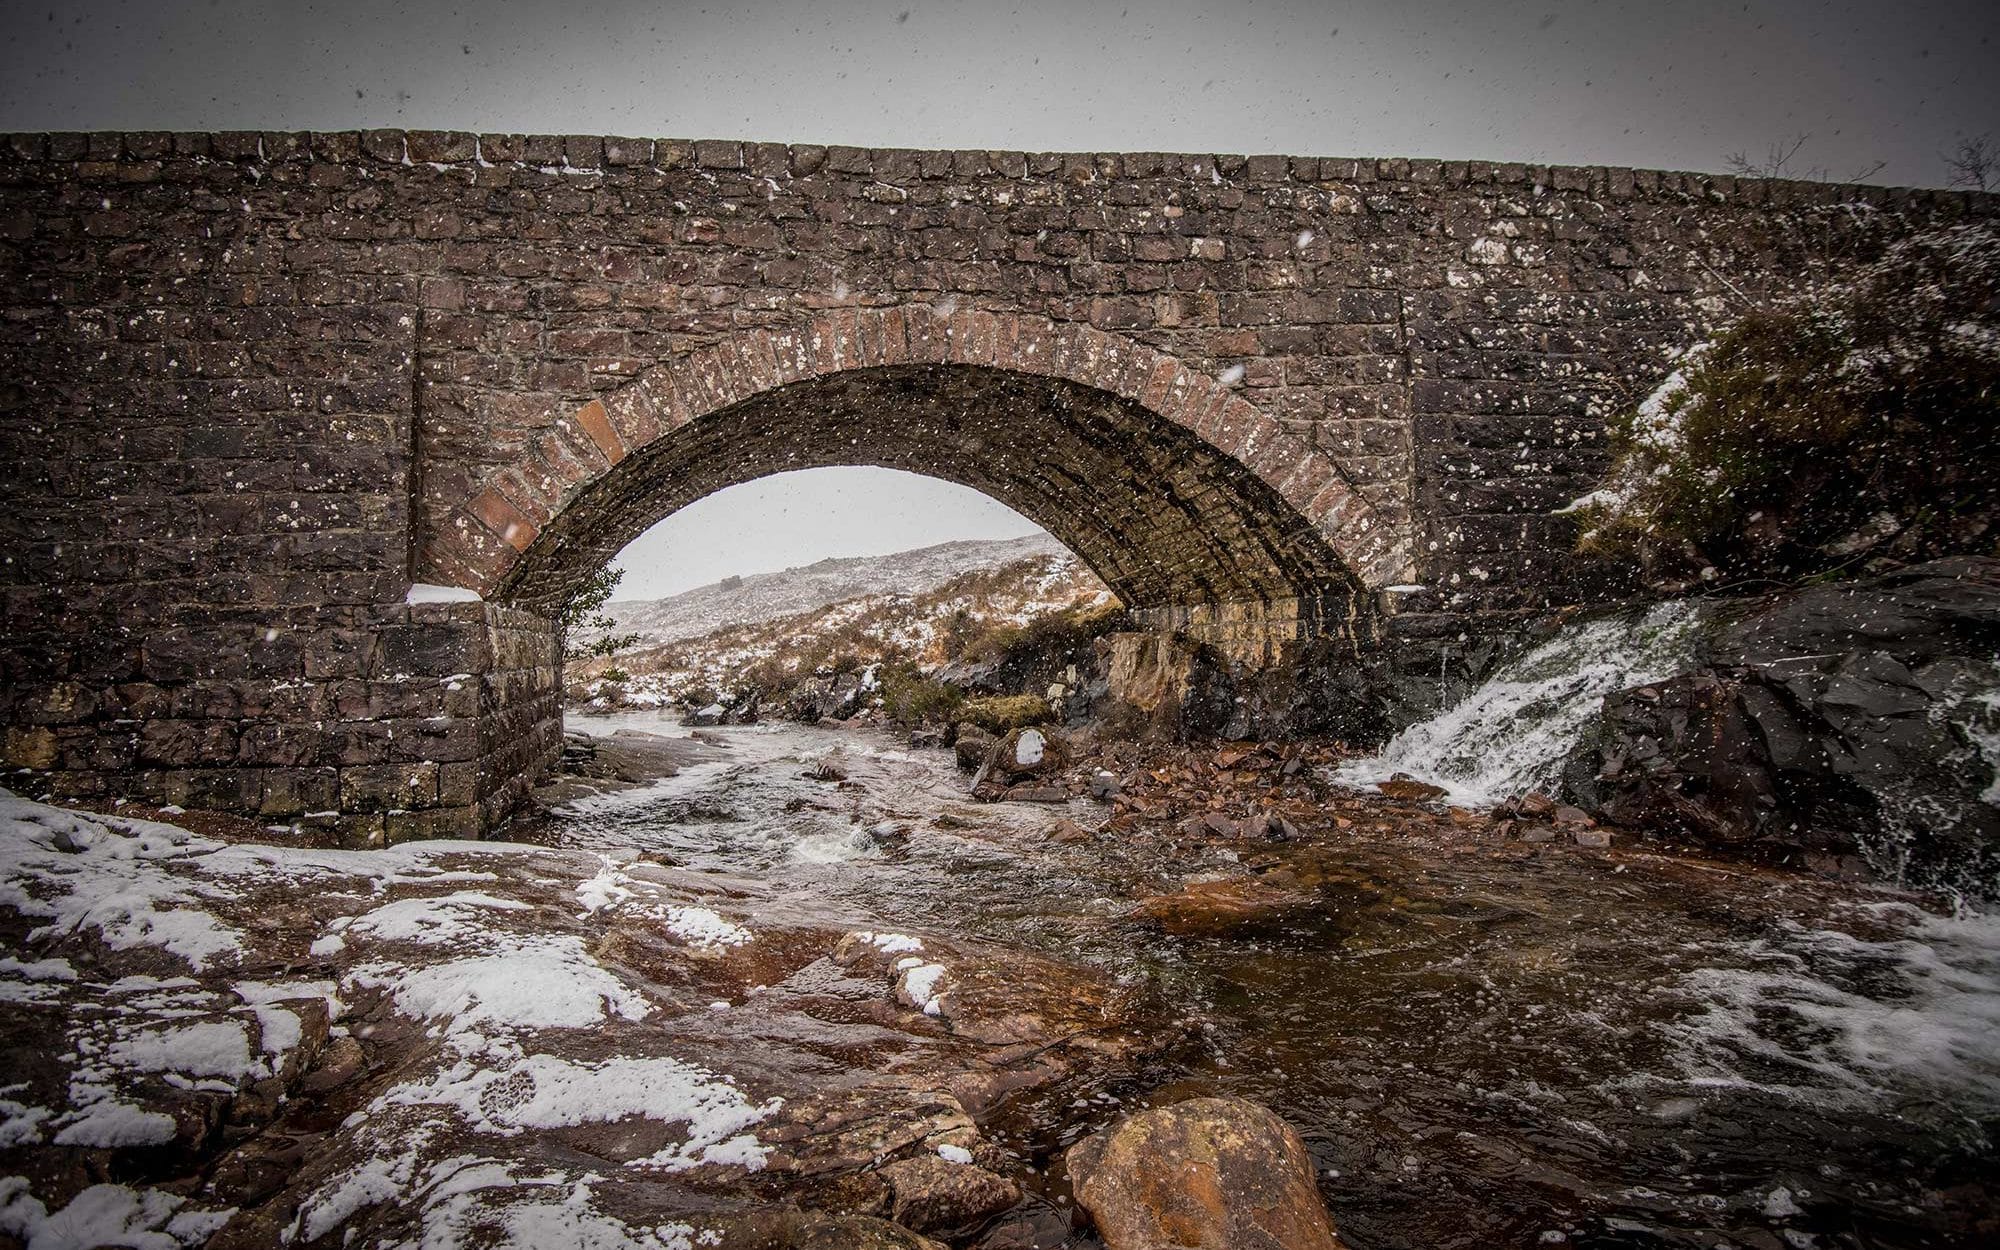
(805, 990)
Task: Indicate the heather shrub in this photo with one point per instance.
(1853, 423)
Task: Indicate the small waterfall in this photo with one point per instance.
(1512, 734)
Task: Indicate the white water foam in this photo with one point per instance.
(1512, 734)
(1827, 1016)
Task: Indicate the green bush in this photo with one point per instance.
(912, 698)
(1850, 421)
(1000, 713)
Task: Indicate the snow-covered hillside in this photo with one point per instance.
(926, 619)
(767, 596)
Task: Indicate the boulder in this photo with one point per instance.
(933, 1193)
(827, 697)
(1030, 752)
(973, 746)
(1404, 786)
(1846, 727)
(1206, 1174)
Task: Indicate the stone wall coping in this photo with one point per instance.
(599, 154)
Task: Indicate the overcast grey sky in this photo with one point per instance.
(1663, 84)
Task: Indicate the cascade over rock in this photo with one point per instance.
(1850, 726)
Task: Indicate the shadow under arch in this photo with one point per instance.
(1191, 504)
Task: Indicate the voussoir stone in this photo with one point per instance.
(1206, 1174)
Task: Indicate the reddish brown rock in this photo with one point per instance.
(1213, 908)
(932, 1193)
(1206, 1174)
(1404, 786)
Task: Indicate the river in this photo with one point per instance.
(1482, 1043)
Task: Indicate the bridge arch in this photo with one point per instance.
(1183, 496)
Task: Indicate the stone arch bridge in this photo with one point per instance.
(256, 385)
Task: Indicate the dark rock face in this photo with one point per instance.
(973, 745)
(1164, 686)
(1834, 728)
(826, 698)
(1206, 1174)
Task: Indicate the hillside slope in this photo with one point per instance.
(768, 596)
(969, 615)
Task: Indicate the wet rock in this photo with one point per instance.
(933, 1194)
(1031, 793)
(1069, 831)
(592, 764)
(1036, 1228)
(812, 1230)
(1029, 752)
(1537, 833)
(1595, 838)
(829, 767)
(631, 756)
(1404, 786)
(1839, 723)
(928, 737)
(973, 746)
(1015, 763)
(1104, 785)
(1210, 908)
(1535, 805)
(1210, 823)
(1207, 1174)
(888, 833)
(1567, 815)
(1266, 827)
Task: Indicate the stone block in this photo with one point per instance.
(389, 787)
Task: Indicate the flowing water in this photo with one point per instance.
(1482, 1044)
(1512, 733)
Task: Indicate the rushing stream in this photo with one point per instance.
(1483, 1044)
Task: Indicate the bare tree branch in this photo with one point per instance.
(1974, 164)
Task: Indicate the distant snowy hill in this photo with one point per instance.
(928, 607)
(768, 596)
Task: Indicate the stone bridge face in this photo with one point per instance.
(256, 385)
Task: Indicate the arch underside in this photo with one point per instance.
(1163, 517)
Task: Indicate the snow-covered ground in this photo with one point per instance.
(441, 1044)
(199, 981)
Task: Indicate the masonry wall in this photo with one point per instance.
(244, 379)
